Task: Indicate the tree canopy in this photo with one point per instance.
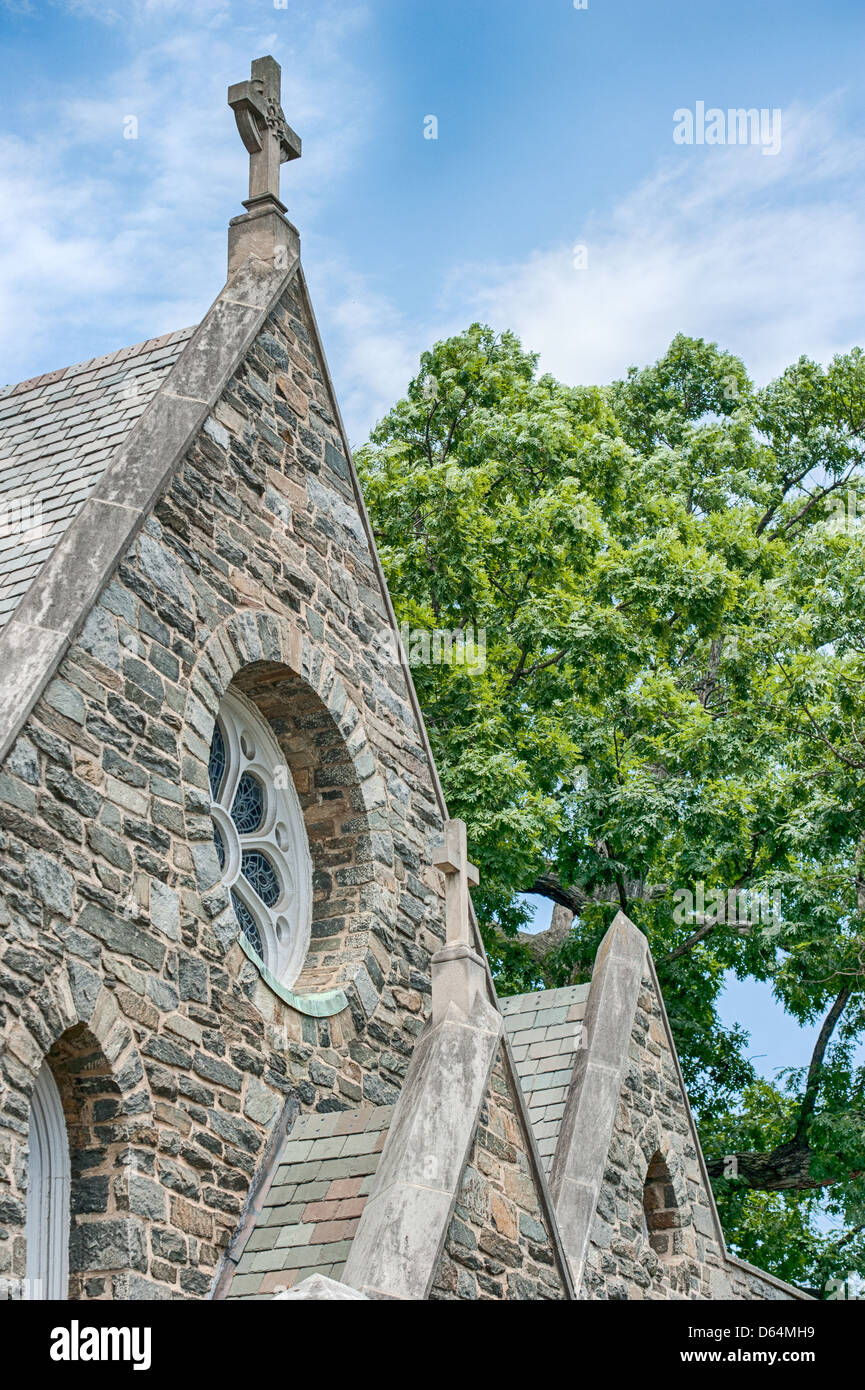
(669, 576)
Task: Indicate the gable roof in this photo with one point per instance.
(57, 434)
(544, 1031)
(57, 598)
(58, 601)
(309, 1213)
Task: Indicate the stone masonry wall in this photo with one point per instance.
(671, 1250)
(498, 1246)
(115, 936)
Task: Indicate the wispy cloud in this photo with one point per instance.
(210, 12)
(766, 256)
(118, 228)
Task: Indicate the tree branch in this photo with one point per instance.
(812, 1083)
(785, 1169)
(842, 757)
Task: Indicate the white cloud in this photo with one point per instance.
(764, 255)
(375, 354)
(105, 239)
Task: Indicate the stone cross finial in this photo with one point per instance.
(264, 131)
(460, 875)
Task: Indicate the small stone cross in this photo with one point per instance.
(264, 131)
(460, 875)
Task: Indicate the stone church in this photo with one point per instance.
(250, 1046)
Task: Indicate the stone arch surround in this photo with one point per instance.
(322, 735)
(658, 1147)
(75, 1024)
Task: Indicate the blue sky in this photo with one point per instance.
(776, 1040)
(555, 129)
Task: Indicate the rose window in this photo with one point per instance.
(260, 838)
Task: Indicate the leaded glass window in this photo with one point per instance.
(216, 767)
(260, 838)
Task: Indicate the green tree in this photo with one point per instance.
(668, 573)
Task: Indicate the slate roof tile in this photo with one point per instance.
(58, 432)
(308, 1218)
(544, 1030)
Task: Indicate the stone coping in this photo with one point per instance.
(756, 1273)
(54, 608)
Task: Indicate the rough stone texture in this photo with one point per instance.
(106, 858)
(654, 1234)
(498, 1244)
(311, 1209)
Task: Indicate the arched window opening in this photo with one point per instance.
(260, 838)
(661, 1217)
(47, 1228)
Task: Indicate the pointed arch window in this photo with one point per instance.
(260, 838)
(48, 1182)
(661, 1215)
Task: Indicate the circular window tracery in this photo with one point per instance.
(260, 838)
(247, 809)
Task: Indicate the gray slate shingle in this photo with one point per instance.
(310, 1212)
(57, 435)
(544, 1031)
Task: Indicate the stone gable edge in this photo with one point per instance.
(790, 1289)
(258, 1190)
(389, 608)
(429, 1229)
(399, 1241)
(586, 1129)
(58, 602)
